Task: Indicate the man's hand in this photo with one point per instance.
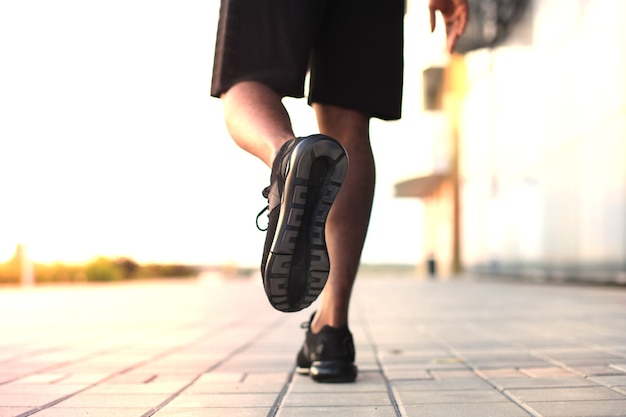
(455, 14)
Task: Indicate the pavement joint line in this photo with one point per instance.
(231, 354)
(504, 392)
(134, 366)
(607, 350)
(388, 387)
(282, 394)
(574, 371)
(23, 355)
(91, 355)
(500, 337)
(606, 385)
(557, 363)
(92, 385)
(61, 364)
(547, 359)
(476, 371)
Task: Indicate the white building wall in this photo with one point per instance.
(543, 141)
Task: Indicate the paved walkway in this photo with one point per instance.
(215, 348)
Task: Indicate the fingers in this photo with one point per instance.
(432, 19)
(455, 25)
(454, 30)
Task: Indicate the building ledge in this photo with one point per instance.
(420, 187)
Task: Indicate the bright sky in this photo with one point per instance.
(110, 144)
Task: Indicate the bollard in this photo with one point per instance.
(432, 266)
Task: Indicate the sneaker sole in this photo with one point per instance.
(333, 371)
(298, 264)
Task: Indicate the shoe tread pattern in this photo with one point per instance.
(296, 209)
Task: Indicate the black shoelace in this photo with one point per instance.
(266, 193)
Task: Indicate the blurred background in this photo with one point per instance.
(509, 158)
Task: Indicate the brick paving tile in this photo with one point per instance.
(424, 348)
(499, 409)
(599, 370)
(265, 377)
(611, 380)
(620, 366)
(611, 408)
(450, 397)
(128, 389)
(453, 374)
(337, 399)
(569, 382)
(366, 382)
(441, 385)
(92, 412)
(566, 394)
(549, 372)
(213, 412)
(56, 389)
(370, 411)
(236, 387)
(13, 411)
(503, 373)
(114, 400)
(27, 400)
(225, 400)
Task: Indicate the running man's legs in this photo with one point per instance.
(348, 220)
(256, 119)
(259, 124)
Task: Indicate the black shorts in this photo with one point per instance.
(353, 48)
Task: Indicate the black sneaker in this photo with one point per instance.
(306, 176)
(328, 356)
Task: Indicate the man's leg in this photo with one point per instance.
(348, 220)
(259, 124)
(256, 119)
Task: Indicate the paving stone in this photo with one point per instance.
(337, 399)
(619, 366)
(366, 382)
(438, 385)
(224, 400)
(222, 377)
(341, 411)
(44, 378)
(93, 411)
(611, 380)
(548, 372)
(498, 409)
(449, 397)
(452, 374)
(57, 389)
(13, 411)
(28, 400)
(566, 394)
(86, 378)
(234, 388)
(610, 408)
(129, 389)
(502, 373)
(414, 374)
(138, 354)
(85, 400)
(509, 383)
(213, 412)
(265, 377)
(599, 370)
